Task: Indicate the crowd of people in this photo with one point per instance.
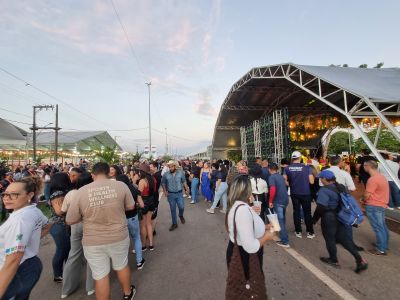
(98, 211)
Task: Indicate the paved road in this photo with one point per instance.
(189, 263)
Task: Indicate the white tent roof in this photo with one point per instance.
(10, 136)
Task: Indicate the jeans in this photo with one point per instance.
(280, 210)
(73, 266)
(25, 279)
(176, 199)
(221, 193)
(299, 202)
(46, 191)
(335, 232)
(63, 244)
(376, 217)
(394, 199)
(134, 232)
(195, 189)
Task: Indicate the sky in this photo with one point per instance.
(77, 54)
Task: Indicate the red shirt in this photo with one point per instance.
(378, 187)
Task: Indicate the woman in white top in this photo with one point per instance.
(20, 268)
(248, 234)
(259, 189)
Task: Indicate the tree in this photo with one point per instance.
(234, 155)
(386, 141)
(379, 65)
(340, 142)
(108, 155)
(363, 66)
(345, 65)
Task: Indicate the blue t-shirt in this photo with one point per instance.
(266, 174)
(281, 196)
(328, 198)
(298, 177)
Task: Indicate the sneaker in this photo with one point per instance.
(398, 207)
(190, 197)
(151, 248)
(210, 211)
(58, 279)
(222, 211)
(298, 234)
(173, 227)
(133, 251)
(64, 296)
(183, 221)
(192, 202)
(131, 295)
(141, 264)
(144, 249)
(362, 266)
(377, 252)
(390, 208)
(90, 293)
(330, 262)
(282, 244)
(310, 235)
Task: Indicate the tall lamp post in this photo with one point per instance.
(148, 86)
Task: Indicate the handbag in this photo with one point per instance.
(237, 285)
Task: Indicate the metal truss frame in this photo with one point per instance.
(364, 108)
(278, 134)
(257, 138)
(243, 142)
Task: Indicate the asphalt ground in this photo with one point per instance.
(189, 263)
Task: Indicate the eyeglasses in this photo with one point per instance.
(12, 196)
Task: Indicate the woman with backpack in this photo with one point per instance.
(328, 202)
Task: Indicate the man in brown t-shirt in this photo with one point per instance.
(101, 207)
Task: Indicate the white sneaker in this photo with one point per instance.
(310, 235)
(64, 296)
(133, 251)
(280, 243)
(190, 197)
(223, 211)
(192, 202)
(298, 234)
(390, 208)
(210, 211)
(90, 293)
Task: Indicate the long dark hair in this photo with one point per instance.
(150, 180)
(60, 182)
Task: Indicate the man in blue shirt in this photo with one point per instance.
(279, 199)
(299, 177)
(173, 182)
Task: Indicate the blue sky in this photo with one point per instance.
(192, 51)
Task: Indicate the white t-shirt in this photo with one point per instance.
(21, 233)
(68, 199)
(342, 177)
(250, 227)
(392, 165)
(259, 187)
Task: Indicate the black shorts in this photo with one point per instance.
(149, 204)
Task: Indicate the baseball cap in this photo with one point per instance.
(327, 174)
(296, 154)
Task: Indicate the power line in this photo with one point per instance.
(127, 38)
(20, 114)
(51, 96)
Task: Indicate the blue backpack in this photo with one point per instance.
(349, 212)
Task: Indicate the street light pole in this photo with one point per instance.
(148, 85)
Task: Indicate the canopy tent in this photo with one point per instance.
(349, 92)
(74, 141)
(11, 137)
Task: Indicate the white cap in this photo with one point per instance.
(296, 154)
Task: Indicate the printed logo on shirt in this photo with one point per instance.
(19, 237)
(99, 194)
(15, 249)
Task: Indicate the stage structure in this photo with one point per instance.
(347, 94)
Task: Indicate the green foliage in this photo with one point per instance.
(108, 155)
(345, 65)
(235, 155)
(340, 142)
(167, 157)
(386, 141)
(136, 156)
(379, 65)
(363, 66)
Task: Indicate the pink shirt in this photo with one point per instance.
(378, 187)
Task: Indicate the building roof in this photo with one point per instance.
(305, 90)
(10, 136)
(74, 140)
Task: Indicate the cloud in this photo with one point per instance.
(203, 105)
(178, 41)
